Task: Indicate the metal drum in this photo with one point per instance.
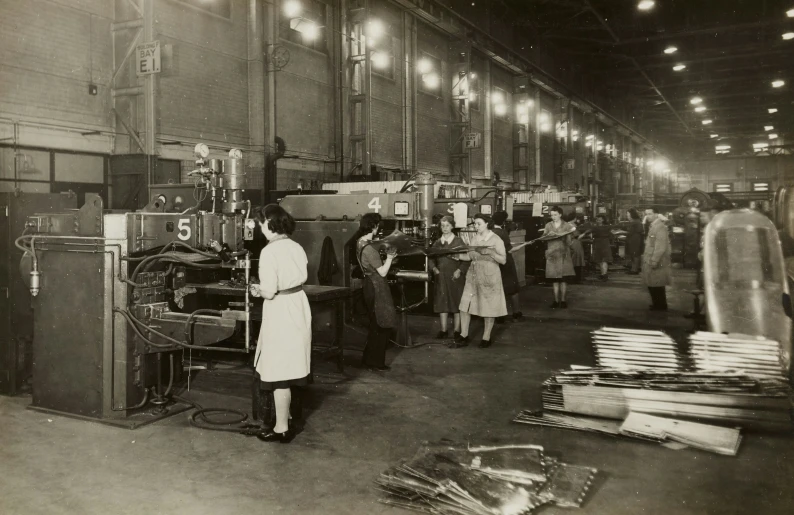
(745, 280)
(233, 185)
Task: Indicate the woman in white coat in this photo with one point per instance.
(283, 352)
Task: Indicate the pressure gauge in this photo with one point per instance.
(202, 150)
(236, 153)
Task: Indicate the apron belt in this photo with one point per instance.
(289, 291)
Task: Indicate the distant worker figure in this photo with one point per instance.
(559, 265)
(602, 245)
(634, 238)
(483, 294)
(509, 273)
(577, 252)
(449, 277)
(656, 273)
(377, 295)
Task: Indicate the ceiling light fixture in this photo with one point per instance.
(292, 8)
(706, 122)
(646, 5)
(679, 67)
(758, 147)
(722, 147)
(769, 128)
(700, 109)
(670, 50)
(788, 35)
(696, 100)
(773, 136)
(715, 136)
(772, 110)
(790, 13)
(778, 83)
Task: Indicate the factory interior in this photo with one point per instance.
(457, 257)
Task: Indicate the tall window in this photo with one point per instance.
(307, 27)
(429, 69)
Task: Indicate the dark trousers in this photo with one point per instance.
(377, 340)
(578, 270)
(635, 264)
(658, 296)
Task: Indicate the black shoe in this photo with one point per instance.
(564, 305)
(460, 341)
(456, 335)
(484, 344)
(555, 305)
(442, 335)
(517, 315)
(272, 436)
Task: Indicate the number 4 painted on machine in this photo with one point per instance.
(374, 204)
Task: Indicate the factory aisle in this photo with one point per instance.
(359, 425)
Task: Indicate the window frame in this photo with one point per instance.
(717, 187)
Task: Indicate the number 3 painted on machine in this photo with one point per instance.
(374, 204)
(184, 229)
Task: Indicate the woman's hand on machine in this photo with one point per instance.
(253, 289)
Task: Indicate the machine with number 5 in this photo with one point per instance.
(118, 297)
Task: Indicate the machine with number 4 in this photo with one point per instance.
(118, 296)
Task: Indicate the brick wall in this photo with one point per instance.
(433, 112)
(203, 96)
(387, 113)
(50, 51)
(503, 126)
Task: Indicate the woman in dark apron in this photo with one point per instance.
(377, 295)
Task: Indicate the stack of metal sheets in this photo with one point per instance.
(721, 397)
(634, 348)
(447, 478)
(753, 355)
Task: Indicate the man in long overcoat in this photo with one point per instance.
(656, 273)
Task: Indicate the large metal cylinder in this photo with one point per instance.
(426, 185)
(233, 185)
(745, 278)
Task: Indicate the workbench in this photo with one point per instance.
(317, 295)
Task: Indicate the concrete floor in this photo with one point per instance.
(360, 424)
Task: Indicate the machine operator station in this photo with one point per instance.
(549, 244)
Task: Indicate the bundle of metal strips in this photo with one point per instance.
(722, 397)
(752, 355)
(634, 348)
(447, 478)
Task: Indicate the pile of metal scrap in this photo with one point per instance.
(447, 478)
(720, 440)
(753, 355)
(633, 348)
(719, 397)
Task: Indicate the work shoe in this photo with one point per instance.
(555, 305)
(484, 344)
(460, 341)
(442, 335)
(564, 305)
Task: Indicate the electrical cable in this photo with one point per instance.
(188, 337)
(215, 425)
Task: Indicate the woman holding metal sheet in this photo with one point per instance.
(559, 265)
(283, 352)
(449, 276)
(483, 294)
(377, 295)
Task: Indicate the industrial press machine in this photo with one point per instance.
(117, 296)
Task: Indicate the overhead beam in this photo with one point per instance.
(717, 29)
(639, 68)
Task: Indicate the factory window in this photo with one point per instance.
(381, 55)
(37, 170)
(501, 103)
(222, 8)
(723, 187)
(762, 186)
(430, 73)
(307, 27)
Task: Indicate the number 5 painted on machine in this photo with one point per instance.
(374, 204)
(184, 229)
